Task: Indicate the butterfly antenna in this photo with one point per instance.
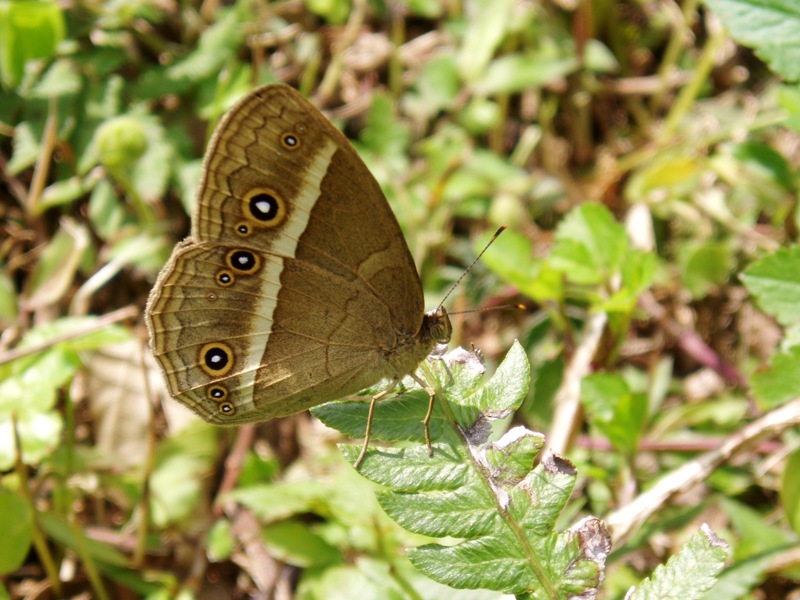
(489, 308)
(472, 264)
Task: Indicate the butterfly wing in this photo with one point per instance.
(296, 283)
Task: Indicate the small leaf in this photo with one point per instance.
(590, 245)
(217, 45)
(511, 258)
(689, 573)
(220, 541)
(487, 28)
(294, 543)
(778, 383)
(54, 274)
(16, 523)
(705, 266)
(790, 490)
(438, 84)
(516, 72)
(8, 300)
(775, 282)
(275, 501)
(614, 409)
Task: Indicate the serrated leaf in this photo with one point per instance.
(769, 26)
(488, 494)
(687, 574)
(775, 282)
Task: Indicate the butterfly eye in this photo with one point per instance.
(263, 208)
(216, 359)
(290, 141)
(243, 261)
(217, 393)
(224, 278)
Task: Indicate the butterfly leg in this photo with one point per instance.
(368, 432)
(426, 422)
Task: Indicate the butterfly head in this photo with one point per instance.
(437, 326)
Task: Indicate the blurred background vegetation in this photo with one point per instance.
(645, 155)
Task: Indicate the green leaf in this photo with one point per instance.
(687, 574)
(487, 493)
(61, 79)
(294, 543)
(26, 148)
(53, 275)
(779, 383)
(333, 11)
(487, 28)
(28, 31)
(39, 434)
(614, 409)
(348, 581)
(106, 212)
(58, 529)
(790, 490)
(437, 84)
(775, 282)
(217, 46)
(767, 162)
(9, 305)
(705, 266)
(590, 245)
(275, 501)
(385, 135)
(16, 523)
(769, 26)
(517, 72)
(220, 540)
(510, 257)
(755, 530)
(177, 480)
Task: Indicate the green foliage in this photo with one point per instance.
(615, 409)
(16, 519)
(775, 282)
(763, 24)
(689, 573)
(486, 493)
(790, 490)
(649, 181)
(29, 31)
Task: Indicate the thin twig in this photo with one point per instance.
(627, 519)
(568, 398)
(122, 314)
